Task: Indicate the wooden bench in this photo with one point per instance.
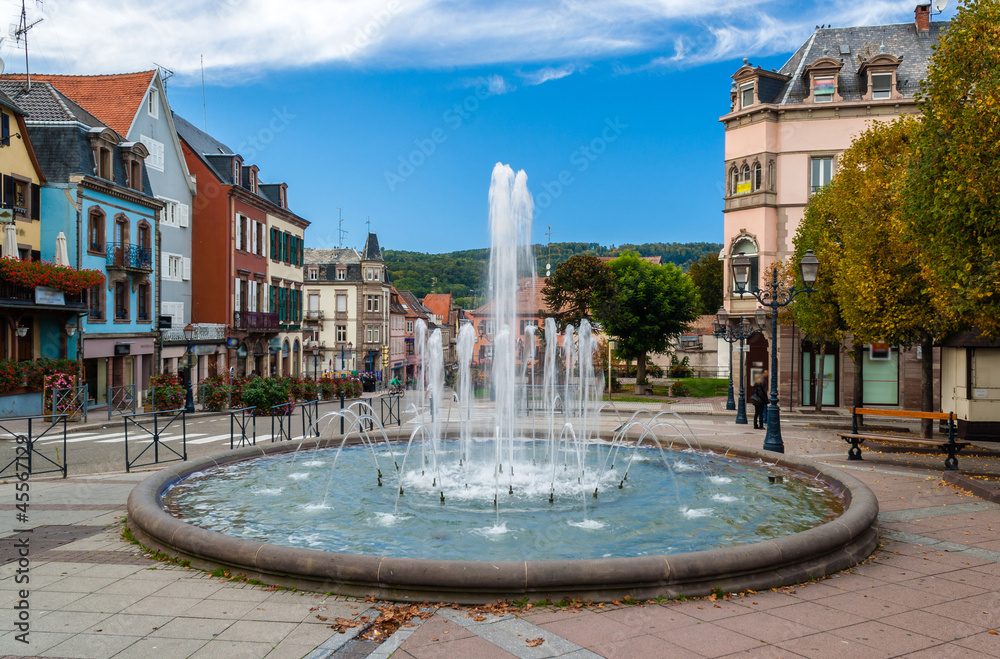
(949, 445)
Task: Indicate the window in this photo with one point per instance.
(153, 104)
(881, 376)
(881, 86)
(372, 303)
(409, 327)
(95, 231)
(102, 163)
(155, 158)
(170, 216)
(173, 266)
(757, 171)
(746, 95)
(409, 348)
(241, 236)
(121, 301)
(142, 304)
(175, 311)
(341, 333)
(823, 89)
(313, 273)
(743, 184)
(95, 302)
(770, 176)
(341, 302)
(734, 180)
(822, 172)
(341, 274)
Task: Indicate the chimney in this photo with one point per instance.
(922, 17)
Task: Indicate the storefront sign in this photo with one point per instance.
(46, 295)
(123, 349)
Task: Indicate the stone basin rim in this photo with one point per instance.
(796, 558)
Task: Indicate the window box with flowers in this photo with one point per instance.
(32, 274)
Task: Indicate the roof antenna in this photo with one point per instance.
(21, 30)
(548, 265)
(340, 220)
(165, 74)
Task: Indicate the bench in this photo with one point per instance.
(949, 445)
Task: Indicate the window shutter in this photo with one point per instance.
(164, 265)
(272, 243)
(187, 269)
(236, 306)
(182, 211)
(301, 250)
(36, 200)
(5, 129)
(8, 191)
(271, 299)
(253, 296)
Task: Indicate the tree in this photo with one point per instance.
(651, 304)
(578, 285)
(706, 273)
(952, 193)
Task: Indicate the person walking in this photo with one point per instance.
(758, 398)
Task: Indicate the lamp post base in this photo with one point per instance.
(730, 403)
(772, 439)
(741, 411)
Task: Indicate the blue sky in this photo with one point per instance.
(397, 110)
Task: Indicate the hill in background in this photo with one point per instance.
(463, 274)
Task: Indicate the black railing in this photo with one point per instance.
(255, 321)
(128, 256)
(310, 419)
(26, 455)
(283, 415)
(389, 411)
(244, 419)
(154, 435)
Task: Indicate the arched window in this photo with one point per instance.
(770, 176)
(748, 248)
(757, 176)
(95, 231)
(734, 178)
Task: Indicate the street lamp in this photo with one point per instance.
(189, 398)
(350, 348)
(315, 351)
(730, 335)
(719, 325)
(774, 296)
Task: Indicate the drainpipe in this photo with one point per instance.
(78, 205)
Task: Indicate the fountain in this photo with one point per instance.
(522, 497)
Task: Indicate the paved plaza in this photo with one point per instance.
(930, 590)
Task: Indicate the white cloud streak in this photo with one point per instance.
(241, 39)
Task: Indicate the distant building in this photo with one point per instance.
(785, 131)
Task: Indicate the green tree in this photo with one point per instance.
(952, 192)
(578, 286)
(706, 273)
(651, 304)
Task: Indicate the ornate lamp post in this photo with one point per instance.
(315, 351)
(774, 296)
(188, 397)
(720, 332)
(731, 334)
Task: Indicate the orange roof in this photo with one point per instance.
(439, 304)
(530, 299)
(114, 99)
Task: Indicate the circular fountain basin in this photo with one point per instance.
(792, 522)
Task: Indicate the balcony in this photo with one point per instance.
(314, 314)
(255, 321)
(12, 294)
(202, 332)
(124, 256)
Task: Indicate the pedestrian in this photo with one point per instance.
(763, 379)
(758, 397)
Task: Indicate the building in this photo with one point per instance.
(414, 310)
(135, 106)
(347, 312)
(247, 242)
(784, 132)
(97, 193)
(37, 319)
(444, 316)
(397, 335)
(531, 309)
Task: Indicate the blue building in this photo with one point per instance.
(97, 192)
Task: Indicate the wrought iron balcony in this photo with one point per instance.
(125, 256)
(314, 314)
(255, 321)
(15, 294)
(202, 332)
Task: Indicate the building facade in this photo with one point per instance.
(784, 133)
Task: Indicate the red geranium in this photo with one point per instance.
(32, 274)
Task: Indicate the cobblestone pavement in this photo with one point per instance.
(931, 590)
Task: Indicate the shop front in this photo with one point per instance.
(116, 362)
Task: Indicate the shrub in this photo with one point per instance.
(11, 376)
(168, 394)
(680, 369)
(35, 372)
(678, 390)
(216, 394)
(265, 393)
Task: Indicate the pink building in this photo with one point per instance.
(784, 132)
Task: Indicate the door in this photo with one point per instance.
(811, 370)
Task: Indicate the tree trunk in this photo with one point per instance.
(819, 380)
(859, 377)
(640, 373)
(927, 381)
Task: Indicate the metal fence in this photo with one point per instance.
(283, 415)
(244, 419)
(71, 401)
(389, 410)
(121, 400)
(28, 455)
(310, 419)
(154, 437)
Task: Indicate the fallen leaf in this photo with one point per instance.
(534, 642)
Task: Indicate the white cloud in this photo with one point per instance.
(243, 38)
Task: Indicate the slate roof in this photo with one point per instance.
(312, 255)
(271, 192)
(114, 99)
(371, 252)
(45, 104)
(416, 306)
(899, 39)
(8, 102)
(200, 142)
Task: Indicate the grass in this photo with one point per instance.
(699, 388)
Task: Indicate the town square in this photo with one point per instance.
(384, 330)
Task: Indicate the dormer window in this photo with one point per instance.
(746, 95)
(237, 166)
(822, 89)
(878, 77)
(313, 273)
(881, 86)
